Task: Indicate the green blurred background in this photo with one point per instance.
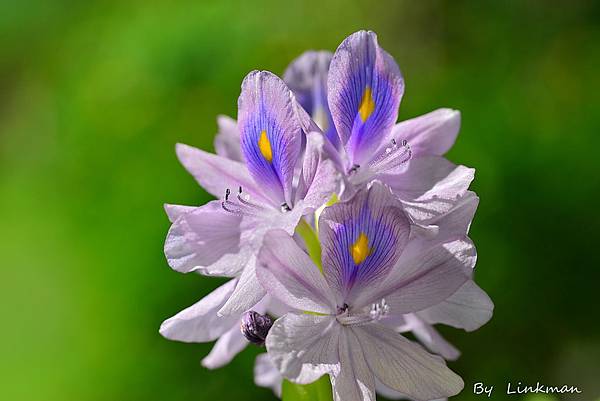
(94, 95)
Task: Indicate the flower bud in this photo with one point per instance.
(255, 327)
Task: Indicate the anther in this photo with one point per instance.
(353, 169)
(285, 207)
(342, 309)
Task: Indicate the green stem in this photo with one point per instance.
(316, 391)
(311, 240)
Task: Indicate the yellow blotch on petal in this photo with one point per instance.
(265, 146)
(367, 105)
(360, 249)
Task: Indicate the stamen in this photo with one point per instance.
(393, 157)
(243, 206)
(353, 169)
(342, 309)
(285, 207)
(379, 310)
(245, 200)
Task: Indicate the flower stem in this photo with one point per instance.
(319, 390)
(311, 241)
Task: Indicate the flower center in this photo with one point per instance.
(367, 315)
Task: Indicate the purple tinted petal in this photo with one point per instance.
(430, 186)
(288, 274)
(307, 77)
(431, 338)
(319, 179)
(423, 277)
(469, 308)
(362, 240)
(364, 91)
(304, 347)
(175, 211)
(270, 133)
(248, 292)
(266, 374)
(355, 380)
(216, 174)
(227, 141)
(200, 322)
(405, 366)
(205, 239)
(430, 134)
(225, 349)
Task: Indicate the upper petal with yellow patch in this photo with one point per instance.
(361, 240)
(270, 134)
(364, 91)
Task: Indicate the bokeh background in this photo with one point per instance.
(94, 95)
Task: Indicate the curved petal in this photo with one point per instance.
(355, 381)
(430, 337)
(227, 141)
(175, 211)
(216, 174)
(199, 322)
(270, 133)
(388, 393)
(469, 308)
(361, 241)
(457, 221)
(306, 76)
(423, 279)
(225, 349)
(205, 239)
(248, 292)
(267, 375)
(319, 179)
(432, 134)
(304, 347)
(288, 274)
(447, 227)
(405, 366)
(324, 185)
(430, 186)
(364, 91)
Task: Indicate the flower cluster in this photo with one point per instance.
(339, 228)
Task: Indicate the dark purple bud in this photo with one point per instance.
(255, 327)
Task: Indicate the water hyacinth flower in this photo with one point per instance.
(261, 193)
(395, 252)
(364, 88)
(371, 269)
(468, 308)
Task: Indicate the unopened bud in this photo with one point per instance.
(255, 327)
